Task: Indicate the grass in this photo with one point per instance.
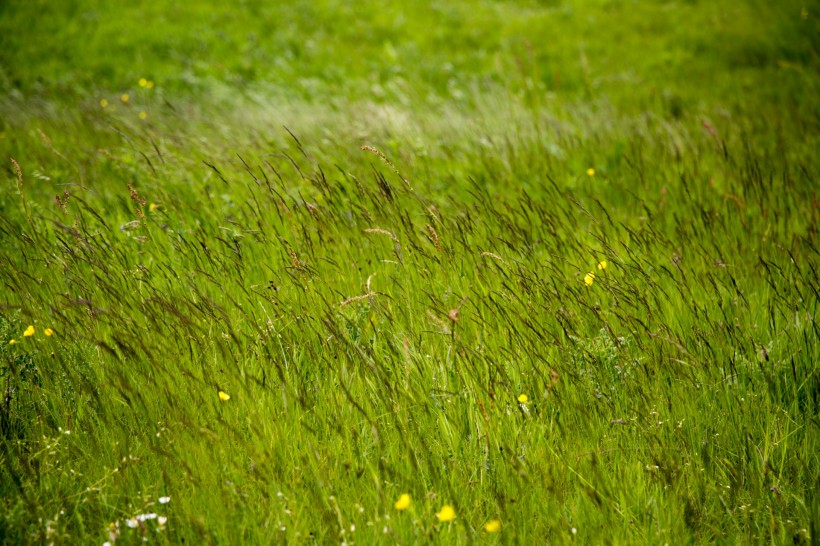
(322, 269)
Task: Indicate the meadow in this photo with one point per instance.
(466, 272)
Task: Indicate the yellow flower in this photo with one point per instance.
(224, 396)
(523, 398)
(602, 265)
(152, 207)
(12, 342)
(29, 331)
(492, 526)
(103, 103)
(143, 115)
(446, 514)
(589, 278)
(591, 171)
(48, 331)
(403, 503)
(149, 84)
(124, 98)
(143, 82)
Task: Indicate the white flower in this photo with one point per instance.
(164, 500)
(132, 523)
(146, 517)
(113, 531)
(162, 520)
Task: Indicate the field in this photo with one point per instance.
(519, 272)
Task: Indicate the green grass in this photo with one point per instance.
(371, 226)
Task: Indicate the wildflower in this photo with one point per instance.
(29, 331)
(124, 98)
(48, 331)
(224, 396)
(162, 520)
(447, 513)
(12, 342)
(152, 207)
(589, 278)
(523, 398)
(143, 115)
(602, 265)
(143, 82)
(146, 517)
(132, 523)
(164, 500)
(149, 84)
(591, 172)
(103, 103)
(403, 503)
(113, 531)
(492, 526)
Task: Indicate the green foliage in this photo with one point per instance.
(374, 228)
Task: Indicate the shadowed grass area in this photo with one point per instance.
(551, 264)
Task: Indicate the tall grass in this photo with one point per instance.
(591, 320)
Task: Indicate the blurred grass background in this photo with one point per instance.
(636, 54)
